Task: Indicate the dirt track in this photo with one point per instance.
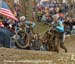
(16, 56)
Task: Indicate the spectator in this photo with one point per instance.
(71, 25)
(1, 23)
(67, 27)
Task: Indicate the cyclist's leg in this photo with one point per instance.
(62, 42)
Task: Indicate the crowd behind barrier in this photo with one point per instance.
(44, 13)
(46, 10)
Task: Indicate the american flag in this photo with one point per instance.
(5, 11)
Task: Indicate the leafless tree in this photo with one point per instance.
(26, 6)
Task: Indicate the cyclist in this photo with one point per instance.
(59, 29)
(28, 24)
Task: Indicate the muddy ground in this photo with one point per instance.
(18, 56)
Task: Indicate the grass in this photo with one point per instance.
(40, 27)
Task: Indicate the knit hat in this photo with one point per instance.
(22, 18)
(56, 16)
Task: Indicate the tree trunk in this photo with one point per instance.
(73, 9)
(26, 6)
(10, 3)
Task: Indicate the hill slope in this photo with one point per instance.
(17, 56)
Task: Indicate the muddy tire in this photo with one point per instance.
(22, 39)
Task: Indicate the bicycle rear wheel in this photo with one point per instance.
(22, 39)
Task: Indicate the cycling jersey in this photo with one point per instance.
(59, 26)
